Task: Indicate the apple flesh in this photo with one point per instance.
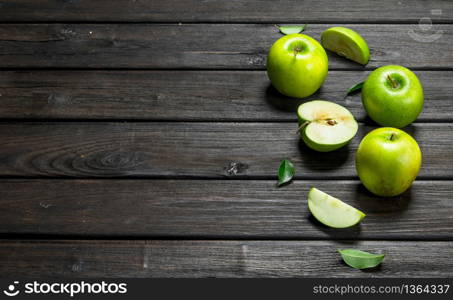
(388, 161)
(332, 211)
(297, 65)
(346, 42)
(392, 96)
(325, 126)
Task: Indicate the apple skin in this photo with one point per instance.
(389, 106)
(297, 74)
(319, 147)
(388, 161)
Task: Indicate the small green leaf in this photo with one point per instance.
(360, 259)
(291, 29)
(355, 88)
(285, 172)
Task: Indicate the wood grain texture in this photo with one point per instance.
(214, 150)
(216, 209)
(225, 11)
(186, 95)
(71, 259)
(207, 46)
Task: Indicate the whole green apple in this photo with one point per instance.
(297, 65)
(387, 161)
(392, 96)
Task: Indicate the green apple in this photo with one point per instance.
(346, 42)
(387, 161)
(332, 211)
(392, 96)
(297, 65)
(325, 126)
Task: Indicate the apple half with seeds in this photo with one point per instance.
(325, 126)
(347, 43)
(331, 211)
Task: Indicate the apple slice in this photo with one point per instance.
(346, 42)
(332, 211)
(325, 126)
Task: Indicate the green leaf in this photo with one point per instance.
(285, 172)
(360, 259)
(291, 29)
(355, 88)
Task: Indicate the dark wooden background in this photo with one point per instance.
(142, 139)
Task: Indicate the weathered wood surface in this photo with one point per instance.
(205, 46)
(214, 150)
(188, 95)
(69, 259)
(225, 11)
(216, 209)
(175, 62)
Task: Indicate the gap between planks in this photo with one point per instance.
(70, 237)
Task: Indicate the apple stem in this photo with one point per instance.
(393, 82)
(302, 126)
(392, 136)
(297, 50)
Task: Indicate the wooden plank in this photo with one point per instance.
(225, 11)
(216, 208)
(110, 259)
(207, 46)
(214, 150)
(188, 95)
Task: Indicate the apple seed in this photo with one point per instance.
(331, 122)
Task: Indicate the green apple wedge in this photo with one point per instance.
(331, 211)
(297, 65)
(325, 126)
(347, 43)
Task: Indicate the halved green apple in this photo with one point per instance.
(346, 42)
(325, 126)
(332, 211)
